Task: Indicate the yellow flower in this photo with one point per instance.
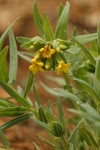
(62, 67)
(36, 66)
(37, 56)
(47, 52)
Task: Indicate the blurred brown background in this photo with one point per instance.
(84, 14)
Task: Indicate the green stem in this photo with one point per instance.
(67, 80)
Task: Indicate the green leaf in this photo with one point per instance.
(86, 38)
(71, 147)
(91, 112)
(4, 139)
(5, 34)
(5, 103)
(60, 10)
(42, 124)
(88, 137)
(89, 90)
(62, 93)
(15, 121)
(85, 50)
(98, 32)
(25, 57)
(27, 53)
(22, 40)
(61, 114)
(29, 84)
(3, 65)
(60, 111)
(87, 115)
(73, 50)
(97, 70)
(96, 85)
(12, 111)
(48, 31)
(38, 19)
(42, 116)
(47, 141)
(62, 23)
(75, 32)
(36, 95)
(13, 58)
(72, 136)
(63, 57)
(14, 94)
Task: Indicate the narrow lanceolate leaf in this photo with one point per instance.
(60, 10)
(88, 137)
(38, 19)
(97, 71)
(61, 114)
(62, 93)
(13, 58)
(5, 34)
(15, 121)
(5, 103)
(22, 40)
(3, 65)
(86, 38)
(25, 57)
(42, 124)
(47, 141)
(4, 139)
(71, 147)
(92, 113)
(14, 94)
(75, 32)
(73, 135)
(48, 31)
(60, 111)
(12, 111)
(62, 23)
(98, 31)
(42, 116)
(85, 50)
(29, 84)
(89, 90)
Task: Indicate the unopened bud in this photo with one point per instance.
(57, 129)
(31, 47)
(63, 47)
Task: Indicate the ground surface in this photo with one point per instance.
(84, 15)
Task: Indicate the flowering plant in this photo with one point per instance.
(80, 83)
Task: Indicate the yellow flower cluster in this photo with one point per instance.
(47, 52)
(44, 58)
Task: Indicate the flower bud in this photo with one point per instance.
(31, 47)
(63, 47)
(57, 129)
